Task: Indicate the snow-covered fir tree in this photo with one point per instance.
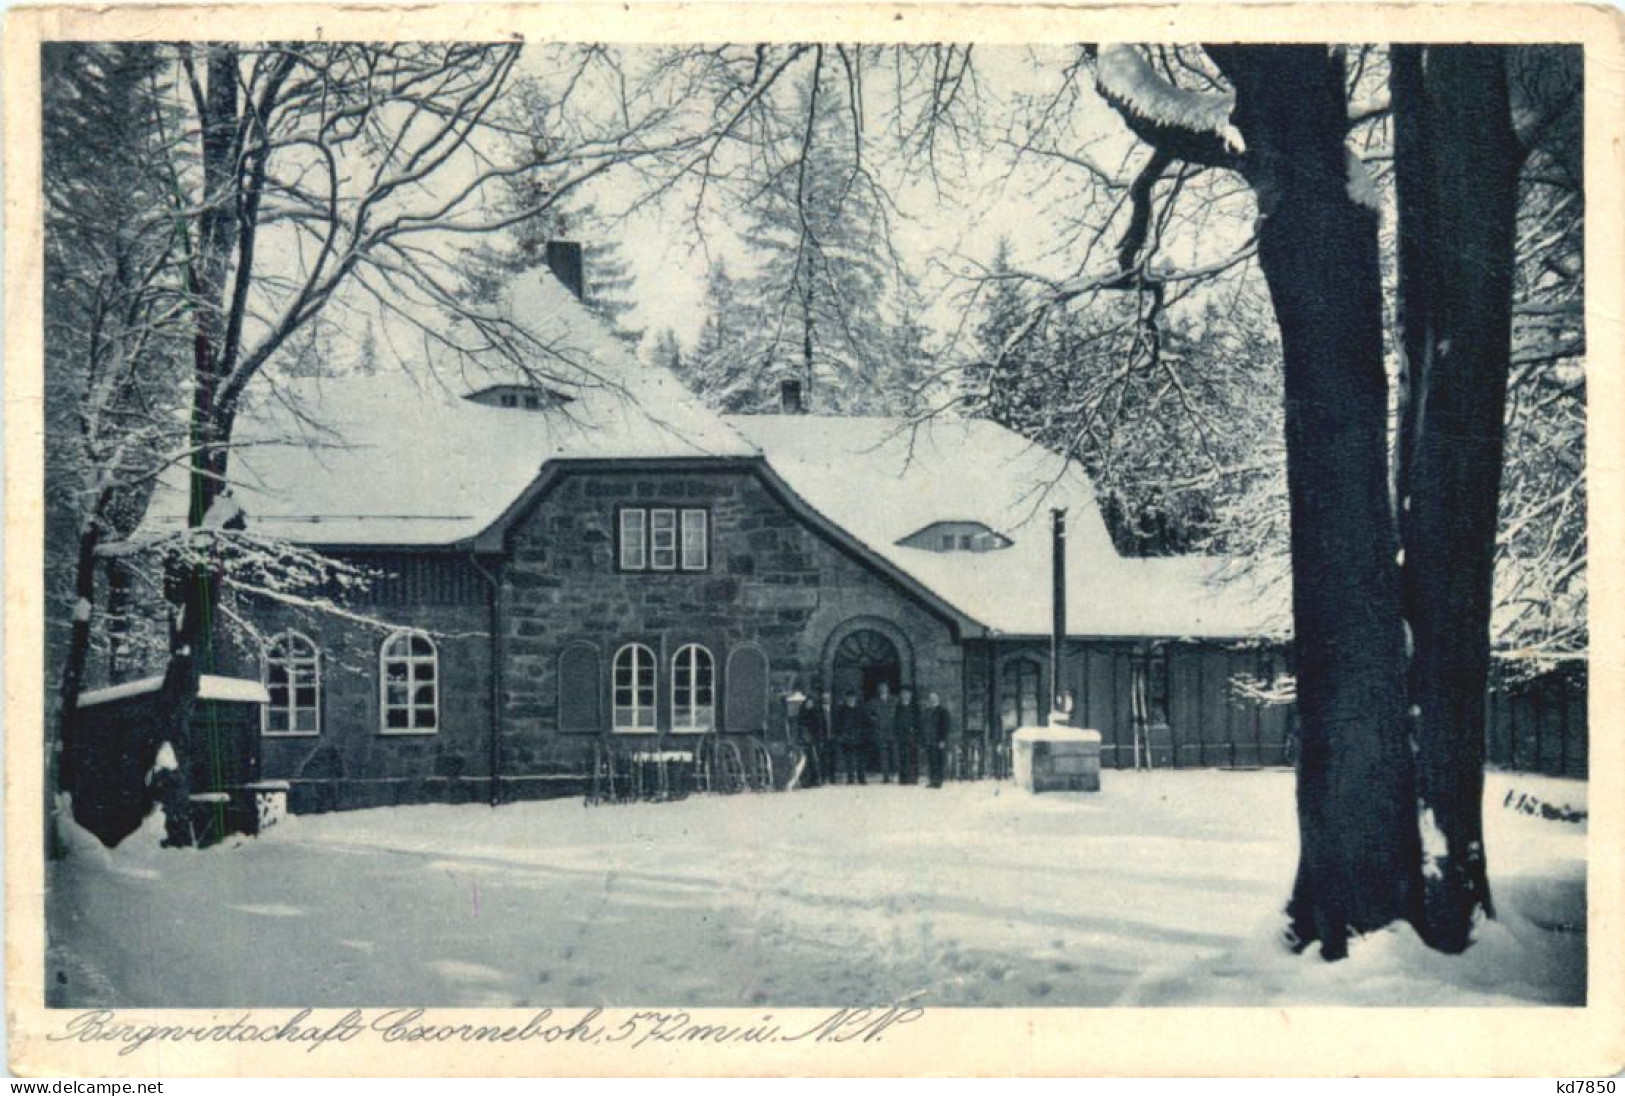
(913, 384)
(611, 289)
(725, 366)
(823, 276)
(993, 379)
(1134, 400)
(114, 366)
(667, 352)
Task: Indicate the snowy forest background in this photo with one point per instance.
(1066, 240)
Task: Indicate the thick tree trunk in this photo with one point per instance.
(72, 682)
(1359, 841)
(191, 587)
(193, 592)
(1456, 166)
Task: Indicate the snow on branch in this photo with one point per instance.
(1362, 189)
(1282, 689)
(225, 512)
(1133, 88)
(1369, 110)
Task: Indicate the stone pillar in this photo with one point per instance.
(1056, 758)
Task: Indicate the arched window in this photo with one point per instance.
(293, 678)
(1019, 694)
(634, 688)
(693, 690)
(411, 684)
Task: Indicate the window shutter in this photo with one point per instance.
(746, 686)
(580, 693)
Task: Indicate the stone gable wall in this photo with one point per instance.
(773, 582)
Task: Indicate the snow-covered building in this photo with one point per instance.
(582, 551)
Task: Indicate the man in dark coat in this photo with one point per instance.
(905, 733)
(817, 727)
(934, 730)
(882, 709)
(850, 736)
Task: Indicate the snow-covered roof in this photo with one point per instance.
(209, 687)
(401, 457)
(883, 479)
(121, 691)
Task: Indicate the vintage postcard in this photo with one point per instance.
(788, 539)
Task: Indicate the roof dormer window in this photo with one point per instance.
(956, 536)
(526, 396)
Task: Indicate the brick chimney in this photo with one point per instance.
(790, 397)
(564, 260)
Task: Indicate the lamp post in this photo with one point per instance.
(1057, 649)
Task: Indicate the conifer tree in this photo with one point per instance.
(611, 286)
(667, 352)
(724, 368)
(819, 239)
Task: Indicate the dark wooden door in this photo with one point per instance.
(863, 660)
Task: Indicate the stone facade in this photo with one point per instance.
(779, 594)
(774, 585)
(353, 762)
(775, 590)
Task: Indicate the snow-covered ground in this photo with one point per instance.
(1164, 889)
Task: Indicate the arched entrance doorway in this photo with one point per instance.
(863, 659)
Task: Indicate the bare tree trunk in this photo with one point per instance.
(193, 591)
(72, 681)
(1456, 165)
(807, 344)
(192, 586)
(1359, 842)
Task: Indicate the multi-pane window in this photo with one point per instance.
(693, 689)
(411, 684)
(1019, 694)
(664, 539)
(293, 678)
(634, 688)
(634, 539)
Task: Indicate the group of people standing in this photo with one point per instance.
(845, 742)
